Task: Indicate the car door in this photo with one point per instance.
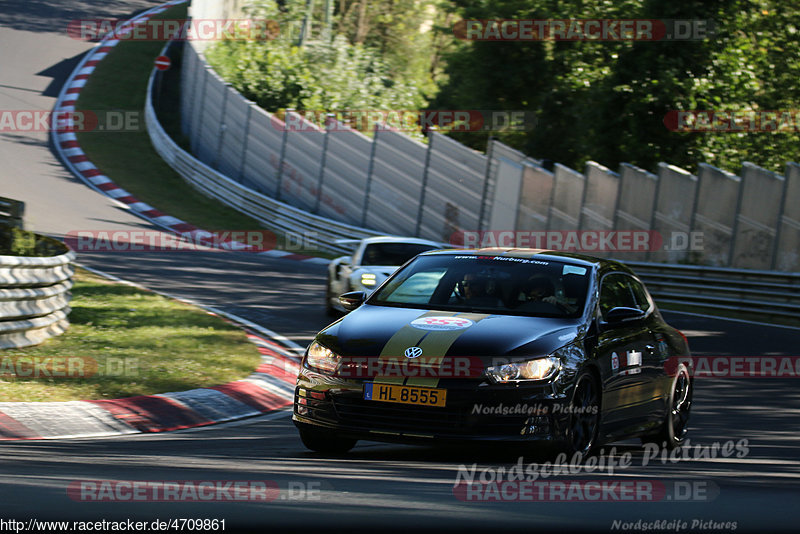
(621, 352)
(653, 356)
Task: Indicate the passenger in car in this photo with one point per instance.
(541, 289)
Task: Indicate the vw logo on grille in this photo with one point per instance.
(413, 352)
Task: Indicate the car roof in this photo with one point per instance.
(539, 254)
(399, 239)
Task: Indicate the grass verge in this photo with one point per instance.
(123, 341)
(119, 83)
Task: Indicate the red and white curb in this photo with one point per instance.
(269, 389)
(66, 144)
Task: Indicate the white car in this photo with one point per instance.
(374, 259)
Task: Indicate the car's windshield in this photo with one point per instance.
(392, 254)
(490, 284)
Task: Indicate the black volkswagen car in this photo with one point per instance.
(513, 345)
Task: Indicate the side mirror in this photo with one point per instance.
(622, 314)
(352, 300)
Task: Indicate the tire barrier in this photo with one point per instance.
(35, 293)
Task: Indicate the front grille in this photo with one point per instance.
(356, 412)
(460, 417)
(456, 419)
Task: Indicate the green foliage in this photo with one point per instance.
(334, 75)
(17, 242)
(606, 101)
(377, 65)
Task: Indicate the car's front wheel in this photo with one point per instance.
(673, 430)
(325, 441)
(584, 418)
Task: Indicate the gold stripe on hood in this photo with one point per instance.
(434, 345)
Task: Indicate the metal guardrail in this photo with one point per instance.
(318, 231)
(34, 298)
(765, 293)
(12, 212)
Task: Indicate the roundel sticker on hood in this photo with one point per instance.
(442, 323)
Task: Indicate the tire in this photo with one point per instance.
(672, 433)
(584, 420)
(325, 441)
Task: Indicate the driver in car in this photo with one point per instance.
(479, 292)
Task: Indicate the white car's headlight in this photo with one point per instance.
(322, 358)
(368, 279)
(538, 369)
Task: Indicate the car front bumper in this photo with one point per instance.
(474, 411)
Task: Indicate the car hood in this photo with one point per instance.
(372, 331)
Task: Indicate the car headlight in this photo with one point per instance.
(538, 369)
(368, 279)
(322, 358)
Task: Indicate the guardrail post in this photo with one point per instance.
(616, 201)
(368, 185)
(197, 128)
(653, 210)
(222, 127)
(778, 227)
(424, 180)
(329, 120)
(188, 120)
(735, 229)
(283, 154)
(485, 192)
(243, 157)
(584, 193)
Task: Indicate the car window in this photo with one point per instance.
(392, 254)
(621, 290)
(488, 284)
(417, 288)
(640, 294)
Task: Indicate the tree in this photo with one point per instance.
(607, 100)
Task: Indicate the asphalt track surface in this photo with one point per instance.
(376, 486)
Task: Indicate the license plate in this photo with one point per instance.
(405, 394)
